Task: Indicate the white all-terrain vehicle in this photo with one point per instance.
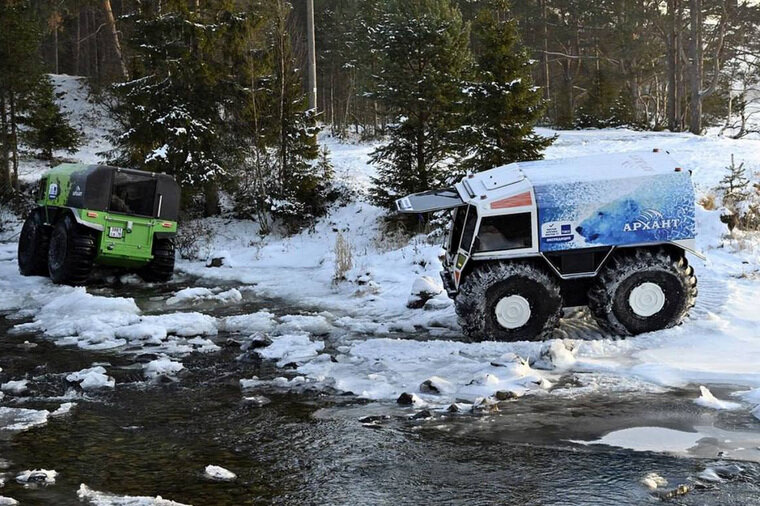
(527, 239)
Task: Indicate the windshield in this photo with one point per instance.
(133, 194)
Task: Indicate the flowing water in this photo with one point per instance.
(316, 448)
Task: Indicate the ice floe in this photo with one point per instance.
(92, 378)
(96, 498)
(218, 473)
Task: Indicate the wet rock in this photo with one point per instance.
(423, 289)
(556, 354)
(257, 401)
(679, 491)
(215, 262)
(436, 303)
(231, 342)
(506, 395)
(146, 357)
(37, 476)
(374, 419)
(421, 415)
(256, 340)
(485, 405)
(407, 399)
(436, 386)
(728, 471)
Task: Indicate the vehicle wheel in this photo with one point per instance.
(71, 253)
(161, 268)
(33, 246)
(508, 302)
(643, 291)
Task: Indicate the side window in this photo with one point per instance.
(469, 228)
(42, 192)
(512, 231)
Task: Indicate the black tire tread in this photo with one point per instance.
(161, 268)
(601, 294)
(81, 250)
(470, 302)
(33, 262)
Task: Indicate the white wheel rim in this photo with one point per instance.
(512, 312)
(647, 299)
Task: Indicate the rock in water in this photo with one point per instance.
(653, 481)
(218, 473)
(37, 476)
(423, 289)
(436, 385)
(406, 399)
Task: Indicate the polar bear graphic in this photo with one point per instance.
(606, 225)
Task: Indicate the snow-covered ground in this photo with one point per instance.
(358, 335)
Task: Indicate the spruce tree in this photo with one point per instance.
(735, 185)
(502, 103)
(26, 96)
(176, 115)
(424, 57)
(48, 128)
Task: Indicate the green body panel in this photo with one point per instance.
(123, 240)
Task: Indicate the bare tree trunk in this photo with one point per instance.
(94, 47)
(695, 67)
(5, 178)
(115, 37)
(77, 45)
(545, 56)
(281, 41)
(14, 140)
(673, 99)
(55, 46)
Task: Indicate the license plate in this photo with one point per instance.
(116, 232)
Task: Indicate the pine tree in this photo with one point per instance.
(735, 185)
(177, 114)
(424, 57)
(297, 193)
(26, 96)
(502, 103)
(48, 127)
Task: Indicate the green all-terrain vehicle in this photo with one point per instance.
(98, 215)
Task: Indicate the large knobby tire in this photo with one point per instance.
(33, 246)
(161, 268)
(643, 291)
(510, 301)
(71, 253)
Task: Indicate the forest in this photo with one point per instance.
(214, 92)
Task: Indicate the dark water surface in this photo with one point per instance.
(310, 448)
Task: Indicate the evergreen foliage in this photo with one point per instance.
(424, 51)
(735, 184)
(26, 95)
(502, 104)
(48, 128)
(217, 101)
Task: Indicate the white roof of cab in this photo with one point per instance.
(601, 167)
(517, 177)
